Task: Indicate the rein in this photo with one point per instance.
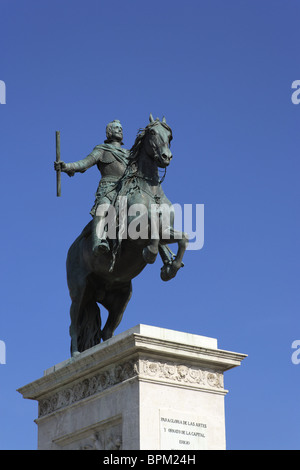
(163, 177)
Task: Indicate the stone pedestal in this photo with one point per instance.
(147, 388)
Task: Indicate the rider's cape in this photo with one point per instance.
(119, 154)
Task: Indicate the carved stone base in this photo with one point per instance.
(147, 388)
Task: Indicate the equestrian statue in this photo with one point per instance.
(132, 222)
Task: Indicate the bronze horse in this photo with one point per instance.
(106, 278)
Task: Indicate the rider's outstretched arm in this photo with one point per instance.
(82, 165)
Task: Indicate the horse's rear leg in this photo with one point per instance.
(74, 314)
(77, 295)
(115, 302)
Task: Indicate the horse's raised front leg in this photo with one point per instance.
(169, 270)
(150, 251)
(167, 256)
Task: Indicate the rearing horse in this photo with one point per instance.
(96, 279)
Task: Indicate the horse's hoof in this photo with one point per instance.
(168, 272)
(75, 353)
(106, 335)
(149, 256)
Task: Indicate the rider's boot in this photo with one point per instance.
(99, 241)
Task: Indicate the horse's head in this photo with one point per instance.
(158, 136)
(155, 139)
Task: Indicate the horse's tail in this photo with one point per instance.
(85, 317)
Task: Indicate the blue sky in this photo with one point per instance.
(221, 73)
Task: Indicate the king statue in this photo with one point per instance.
(111, 160)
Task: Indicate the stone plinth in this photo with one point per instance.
(147, 388)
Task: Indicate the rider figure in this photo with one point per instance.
(111, 160)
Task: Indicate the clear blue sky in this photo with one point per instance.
(221, 73)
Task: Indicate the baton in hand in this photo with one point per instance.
(58, 172)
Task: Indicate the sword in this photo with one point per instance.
(58, 172)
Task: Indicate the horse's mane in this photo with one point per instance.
(135, 149)
(131, 169)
